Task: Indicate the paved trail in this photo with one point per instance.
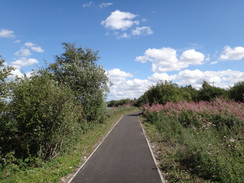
(123, 157)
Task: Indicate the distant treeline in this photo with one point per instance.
(165, 91)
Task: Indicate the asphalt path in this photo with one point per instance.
(123, 157)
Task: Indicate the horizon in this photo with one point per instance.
(140, 43)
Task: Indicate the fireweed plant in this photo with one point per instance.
(199, 141)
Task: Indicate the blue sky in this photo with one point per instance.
(140, 42)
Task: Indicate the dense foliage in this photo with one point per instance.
(5, 71)
(199, 141)
(77, 69)
(237, 92)
(198, 134)
(166, 91)
(41, 114)
(116, 103)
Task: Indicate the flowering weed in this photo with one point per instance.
(203, 141)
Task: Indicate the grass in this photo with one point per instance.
(67, 162)
(198, 142)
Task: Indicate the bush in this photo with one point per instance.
(43, 114)
(237, 92)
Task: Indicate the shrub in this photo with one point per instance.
(43, 114)
(237, 92)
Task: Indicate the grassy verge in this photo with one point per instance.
(198, 142)
(56, 170)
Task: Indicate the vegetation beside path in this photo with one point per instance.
(57, 169)
(198, 142)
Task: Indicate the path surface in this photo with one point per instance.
(123, 157)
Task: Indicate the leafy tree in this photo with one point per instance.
(209, 93)
(116, 103)
(43, 114)
(77, 68)
(192, 91)
(237, 92)
(4, 90)
(164, 92)
(6, 127)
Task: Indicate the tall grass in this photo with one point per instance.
(199, 141)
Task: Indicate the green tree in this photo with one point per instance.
(77, 69)
(6, 127)
(209, 93)
(5, 71)
(43, 114)
(116, 103)
(237, 92)
(164, 92)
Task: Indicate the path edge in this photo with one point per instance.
(83, 164)
(150, 148)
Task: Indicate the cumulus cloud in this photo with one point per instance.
(125, 87)
(141, 31)
(119, 20)
(23, 52)
(133, 88)
(124, 25)
(118, 75)
(222, 79)
(161, 77)
(37, 49)
(166, 59)
(29, 44)
(22, 62)
(192, 57)
(229, 53)
(6, 33)
(33, 47)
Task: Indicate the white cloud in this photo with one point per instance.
(33, 47)
(6, 33)
(104, 5)
(161, 77)
(142, 31)
(144, 20)
(17, 41)
(118, 75)
(23, 52)
(29, 44)
(119, 20)
(22, 62)
(37, 49)
(101, 5)
(192, 57)
(222, 79)
(166, 59)
(134, 88)
(123, 87)
(18, 73)
(229, 53)
(87, 4)
(128, 89)
(214, 62)
(124, 35)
